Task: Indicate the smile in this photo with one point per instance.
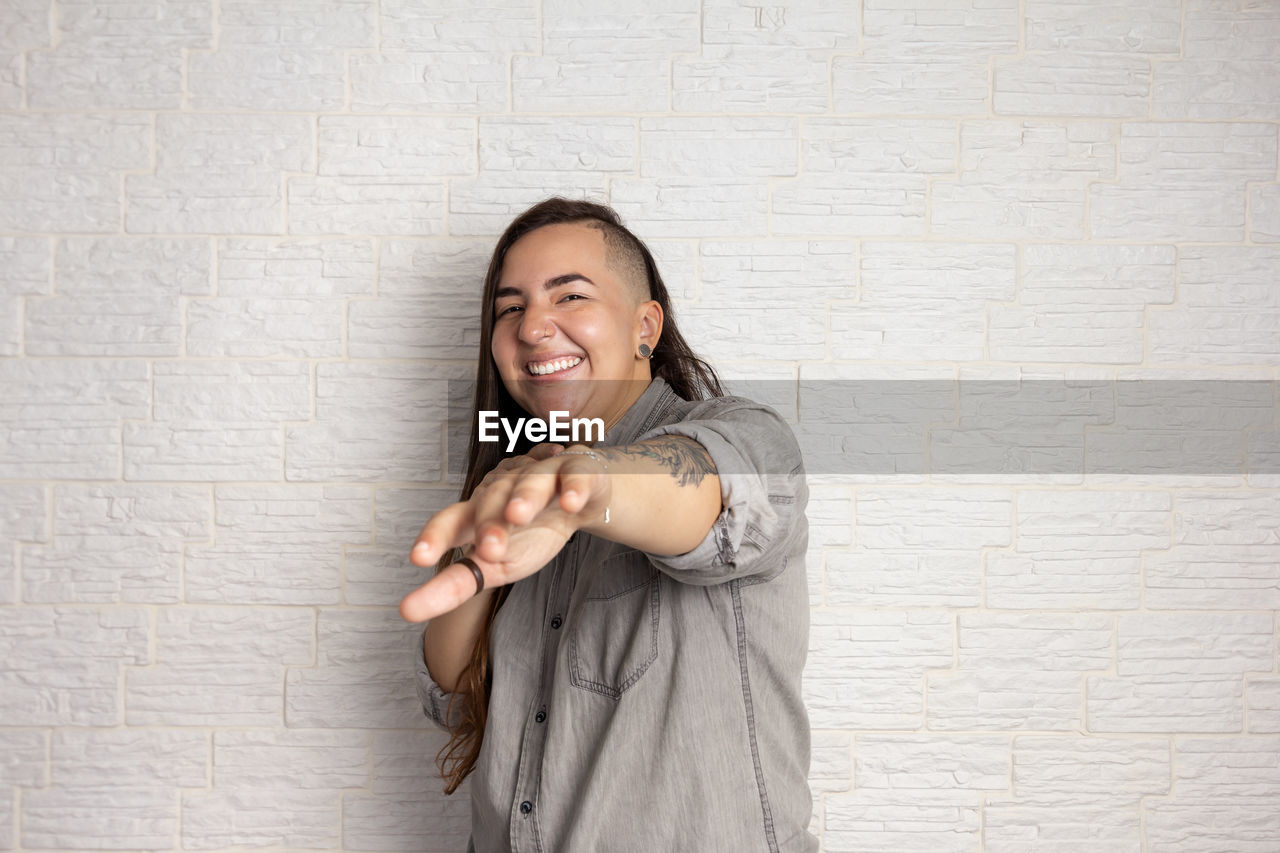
(548, 367)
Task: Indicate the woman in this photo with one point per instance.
(617, 628)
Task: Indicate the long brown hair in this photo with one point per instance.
(673, 360)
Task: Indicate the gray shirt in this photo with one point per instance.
(653, 703)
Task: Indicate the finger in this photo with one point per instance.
(545, 450)
(448, 528)
(489, 525)
(532, 492)
(580, 478)
(453, 585)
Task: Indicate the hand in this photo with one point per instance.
(519, 517)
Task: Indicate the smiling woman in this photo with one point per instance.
(616, 630)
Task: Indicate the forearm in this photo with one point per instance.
(450, 638)
(665, 495)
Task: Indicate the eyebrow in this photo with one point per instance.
(550, 283)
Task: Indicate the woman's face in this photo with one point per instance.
(566, 328)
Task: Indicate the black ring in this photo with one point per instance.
(475, 570)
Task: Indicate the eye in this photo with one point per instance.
(507, 310)
(569, 296)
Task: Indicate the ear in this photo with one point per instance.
(649, 322)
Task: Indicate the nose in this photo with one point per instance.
(535, 325)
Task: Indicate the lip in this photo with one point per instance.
(552, 377)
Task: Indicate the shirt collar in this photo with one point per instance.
(643, 414)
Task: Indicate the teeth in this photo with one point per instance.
(553, 366)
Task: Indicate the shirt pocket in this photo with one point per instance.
(614, 638)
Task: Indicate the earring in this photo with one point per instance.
(645, 351)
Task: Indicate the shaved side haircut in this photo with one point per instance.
(625, 260)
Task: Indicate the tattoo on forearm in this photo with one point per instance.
(683, 458)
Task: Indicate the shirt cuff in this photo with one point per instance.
(762, 493)
(435, 700)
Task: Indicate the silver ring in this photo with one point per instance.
(475, 570)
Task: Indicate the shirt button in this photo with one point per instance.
(556, 622)
(526, 807)
(541, 716)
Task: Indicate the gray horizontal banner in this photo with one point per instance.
(1049, 427)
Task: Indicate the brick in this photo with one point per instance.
(118, 297)
(235, 163)
(1085, 303)
(1264, 213)
(117, 544)
(688, 207)
(435, 267)
(400, 513)
(574, 27)
(966, 764)
(486, 204)
(1227, 309)
(394, 79)
(871, 577)
(290, 760)
(1245, 825)
(25, 24)
(99, 818)
(61, 418)
(261, 817)
(1173, 214)
(205, 694)
(27, 264)
(296, 268)
(803, 24)
(189, 636)
(1088, 26)
(960, 519)
(231, 392)
(590, 81)
(754, 331)
(23, 518)
(25, 758)
(1124, 769)
(906, 83)
(359, 679)
(1172, 154)
(1226, 768)
(129, 758)
(348, 23)
(557, 143)
(1066, 83)
(870, 205)
(1231, 30)
(840, 146)
(432, 327)
(775, 273)
(393, 206)
(278, 544)
(267, 77)
(174, 23)
(64, 663)
(1215, 89)
(901, 820)
(280, 298)
(403, 821)
(1019, 671)
(729, 78)
(864, 669)
(713, 146)
(61, 172)
(1068, 822)
(373, 422)
(194, 450)
(407, 25)
(396, 146)
(106, 74)
(1180, 672)
(1080, 549)
(1262, 705)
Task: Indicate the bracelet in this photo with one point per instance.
(592, 454)
(595, 456)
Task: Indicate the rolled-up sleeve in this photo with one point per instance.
(435, 701)
(762, 488)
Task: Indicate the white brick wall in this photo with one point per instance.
(240, 251)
